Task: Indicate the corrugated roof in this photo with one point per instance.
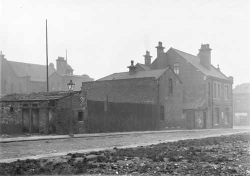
(243, 88)
(139, 74)
(35, 71)
(195, 61)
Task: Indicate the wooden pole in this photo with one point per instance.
(47, 58)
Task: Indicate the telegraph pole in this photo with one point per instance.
(47, 66)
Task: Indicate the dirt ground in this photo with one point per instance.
(43, 147)
(225, 155)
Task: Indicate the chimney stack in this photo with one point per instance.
(147, 58)
(205, 55)
(132, 68)
(160, 49)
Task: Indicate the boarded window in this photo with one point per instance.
(216, 116)
(162, 117)
(170, 88)
(80, 116)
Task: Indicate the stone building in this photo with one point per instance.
(43, 113)
(161, 88)
(241, 96)
(19, 77)
(207, 92)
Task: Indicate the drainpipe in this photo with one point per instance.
(212, 104)
(158, 105)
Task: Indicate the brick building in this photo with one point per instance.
(241, 96)
(19, 77)
(160, 87)
(207, 92)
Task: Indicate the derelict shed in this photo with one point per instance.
(44, 112)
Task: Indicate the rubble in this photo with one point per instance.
(225, 155)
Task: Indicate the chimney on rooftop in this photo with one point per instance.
(160, 50)
(147, 58)
(205, 55)
(132, 68)
(61, 65)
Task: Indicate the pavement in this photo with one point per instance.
(54, 137)
(209, 133)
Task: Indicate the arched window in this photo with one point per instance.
(162, 116)
(170, 85)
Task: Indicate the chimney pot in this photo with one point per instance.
(132, 68)
(160, 50)
(147, 58)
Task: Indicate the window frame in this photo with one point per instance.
(226, 93)
(170, 86)
(82, 116)
(176, 67)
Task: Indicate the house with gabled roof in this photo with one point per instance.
(207, 92)
(241, 99)
(20, 77)
(161, 88)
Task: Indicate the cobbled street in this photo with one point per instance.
(42, 147)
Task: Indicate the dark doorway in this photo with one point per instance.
(35, 120)
(190, 119)
(26, 120)
(205, 119)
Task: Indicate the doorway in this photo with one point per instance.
(190, 119)
(204, 119)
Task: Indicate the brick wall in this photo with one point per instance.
(172, 102)
(143, 90)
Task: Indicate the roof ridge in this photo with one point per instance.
(185, 52)
(26, 63)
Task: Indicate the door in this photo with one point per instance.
(190, 119)
(35, 120)
(204, 119)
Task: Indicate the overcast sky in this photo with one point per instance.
(103, 36)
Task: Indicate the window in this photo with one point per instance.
(218, 86)
(226, 92)
(217, 90)
(214, 92)
(226, 115)
(217, 116)
(176, 68)
(80, 116)
(11, 109)
(170, 84)
(162, 113)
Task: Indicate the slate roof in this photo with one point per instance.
(35, 71)
(139, 74)
(195, 61)
(243, 88)
(40, 96)
(145, 67)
